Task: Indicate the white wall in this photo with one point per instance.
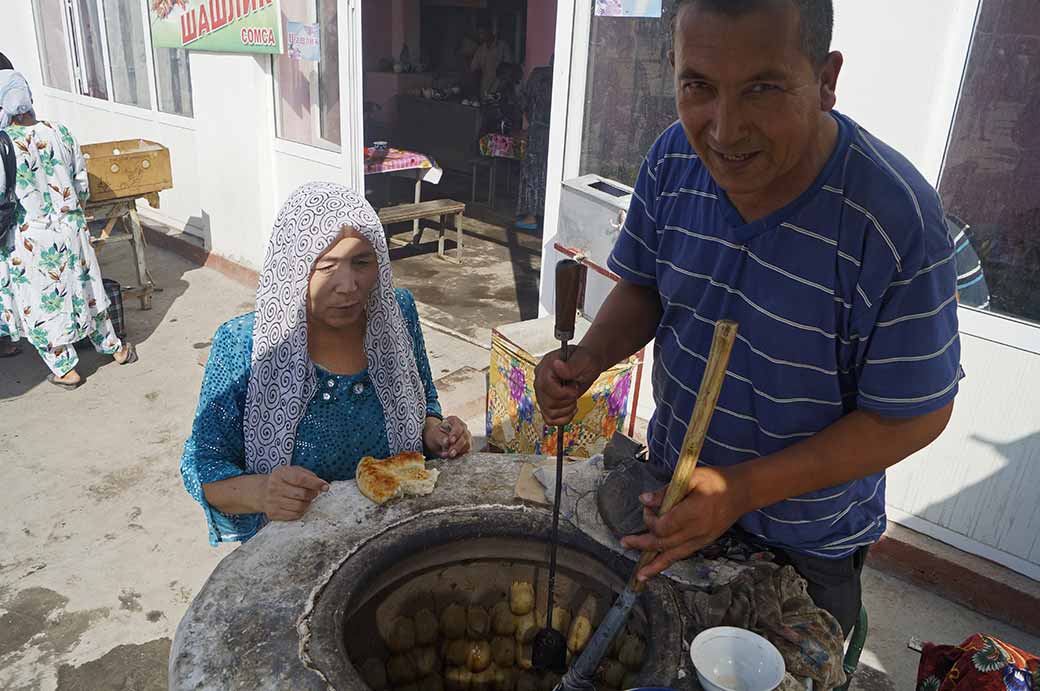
(976, 487)
(18, 40)
(234, 114)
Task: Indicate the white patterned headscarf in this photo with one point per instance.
(282, 379)
(15, 97)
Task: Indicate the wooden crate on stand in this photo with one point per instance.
(127, 168)
(119, 173)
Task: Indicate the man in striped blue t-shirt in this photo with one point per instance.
(765, 206)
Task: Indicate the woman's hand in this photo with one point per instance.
(448, 438)
(287, 493)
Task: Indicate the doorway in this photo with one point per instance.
(464, 88)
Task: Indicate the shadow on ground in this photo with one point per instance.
(22, 373)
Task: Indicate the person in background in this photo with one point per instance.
(489, 55)
(7, 347)
(330, 368)
(972, 290)
(503, 112)
(537, 98)
(508, 81)
(50, 283)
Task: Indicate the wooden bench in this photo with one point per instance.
(436, 209)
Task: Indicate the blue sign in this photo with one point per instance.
(303, 41)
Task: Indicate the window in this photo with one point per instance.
(124, 27)
(79, 29)
(307, 93)
(87, 40)
(53, 43)
(989, 179)
(629, 89)
(173, 81)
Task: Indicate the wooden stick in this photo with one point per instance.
(711, 385)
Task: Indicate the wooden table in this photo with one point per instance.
(410, 163)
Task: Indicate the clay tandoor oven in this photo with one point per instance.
(442, 592)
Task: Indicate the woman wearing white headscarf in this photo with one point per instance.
(331, 367)
(7, 348)
(50, 283)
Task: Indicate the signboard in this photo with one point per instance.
(628, 8)
(303, 41)
(220, 26)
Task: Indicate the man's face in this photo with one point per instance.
(749, 98)
(485, 36)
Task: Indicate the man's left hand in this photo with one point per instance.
(714, 503)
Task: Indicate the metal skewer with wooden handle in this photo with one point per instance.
(549, 648)
(581, 674)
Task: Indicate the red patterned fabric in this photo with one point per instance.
(503, 146)
(396, 159)
(981, 663)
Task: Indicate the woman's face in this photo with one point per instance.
(341, 281)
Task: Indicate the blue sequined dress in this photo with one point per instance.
(344, 421)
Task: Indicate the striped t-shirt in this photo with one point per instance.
(846, 300)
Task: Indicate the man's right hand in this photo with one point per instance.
(558, 385)
(288, 492)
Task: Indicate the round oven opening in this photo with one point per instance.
(452, 601)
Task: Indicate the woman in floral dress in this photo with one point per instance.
(50, 284)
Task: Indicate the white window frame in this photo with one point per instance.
(349, 158)
(75, 23)
(351, 96)
(566, 122)
(70, 16)
(350, 151)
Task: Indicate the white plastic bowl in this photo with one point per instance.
(732, 659)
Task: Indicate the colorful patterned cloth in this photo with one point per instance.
(515, 424)
(503, 146)
(396, 159)
(981, 663)
(773, 601)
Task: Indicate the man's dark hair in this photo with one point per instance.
(5, 64)
(817, 20)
